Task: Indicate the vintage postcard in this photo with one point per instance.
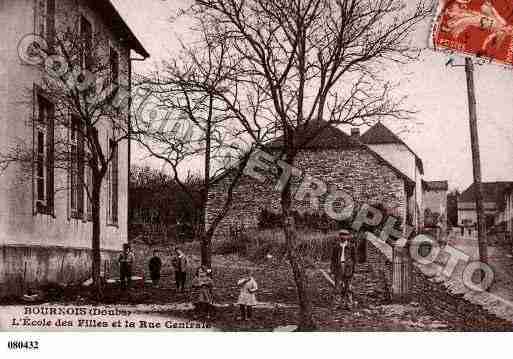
(256, 165)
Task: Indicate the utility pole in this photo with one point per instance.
(476, 162)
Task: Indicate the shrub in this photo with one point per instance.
(229, 246)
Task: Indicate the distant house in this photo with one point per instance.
(45, 215)
(493, 199)
(509, 209)
(376, 168)
(435, 203)
(505, 215)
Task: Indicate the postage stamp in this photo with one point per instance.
(481, 28)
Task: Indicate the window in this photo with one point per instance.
(46, 20)
(77, 168)
(112, 209)
(89, 188)
(44, 156)
(114, 66)
(86, 33)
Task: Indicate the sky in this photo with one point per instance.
(439, 133)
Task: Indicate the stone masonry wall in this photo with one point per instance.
(357, 172)
(453, 308)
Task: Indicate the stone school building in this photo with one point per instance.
(376, 168)
(45, 222)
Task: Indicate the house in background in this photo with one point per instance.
(504, 218)
(388, 145)
(45, 222)
(435, 203)
(377, 174)
(509, 210)
(493, 198)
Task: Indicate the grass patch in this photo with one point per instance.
(259, 246)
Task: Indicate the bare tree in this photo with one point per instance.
(86, 92)
(300, 61)
(198, 122)
(156, 198)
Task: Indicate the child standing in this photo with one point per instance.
(155, 265)
(179, 263)
(126, 260)
(247, 297)
(203, 285)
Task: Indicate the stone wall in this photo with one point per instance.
(381, 269)
(454, 308)
(434, 296)
(358, 172)
(24, 268)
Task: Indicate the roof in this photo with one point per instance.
(329, 137)
(380, 134)
(435, 185)
(114, 21)
(492, 192)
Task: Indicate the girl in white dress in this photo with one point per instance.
(247, 297)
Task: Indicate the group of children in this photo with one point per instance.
(203, 285)
(179, 263)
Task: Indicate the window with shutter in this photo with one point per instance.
(89, 184)
(112, 210)
(114, 66)
(45, 20)
(86, 32)
(77, 168)
(50, 22)
(44, 156)
(89, 187)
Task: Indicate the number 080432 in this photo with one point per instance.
(23, 345)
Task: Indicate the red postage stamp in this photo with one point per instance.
(483, 28)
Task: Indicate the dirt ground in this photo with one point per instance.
(277, 308)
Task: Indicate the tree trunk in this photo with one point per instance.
(96, 254)
(206, 239)
(206, 249)
(306, 321)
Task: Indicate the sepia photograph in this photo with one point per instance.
(255, 166)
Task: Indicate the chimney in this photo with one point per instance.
(355, 133)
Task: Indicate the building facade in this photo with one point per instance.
(340, 161)
(45, 218)
(386, 143)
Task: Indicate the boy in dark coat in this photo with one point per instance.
(179, 263)
(343, 260)
(126, 260)
(155, 265)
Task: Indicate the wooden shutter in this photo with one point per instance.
(80, 164)
(114, 66)
(50, 158)
(115, 182)
(40, 144)
(40, 17)
(86, 32)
